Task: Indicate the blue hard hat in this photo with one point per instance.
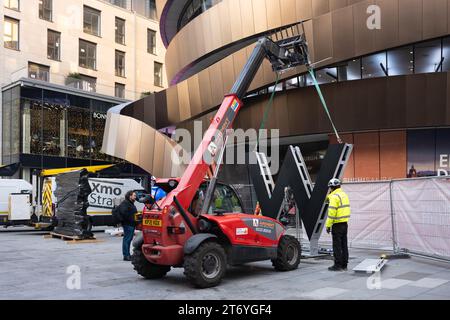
(158, 193)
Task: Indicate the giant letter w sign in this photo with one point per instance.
(310, 200)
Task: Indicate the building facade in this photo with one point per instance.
(387, 84)
(63, 65)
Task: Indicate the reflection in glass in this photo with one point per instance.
(98, 126)
(351, 70)
(327, 75)
(371, 65)
(78, 144)
(446, 55)
(31, 126)
(428, 56)
(53, 129)
(401, 61)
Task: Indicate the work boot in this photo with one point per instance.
(335, 268)
(126, 258)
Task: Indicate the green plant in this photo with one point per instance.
(74, 75)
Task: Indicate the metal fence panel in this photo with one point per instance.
(422, 216)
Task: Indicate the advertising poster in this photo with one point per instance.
(428, 153)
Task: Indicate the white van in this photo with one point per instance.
(15, 202)
(106, 193)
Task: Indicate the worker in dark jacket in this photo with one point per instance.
(127, 211)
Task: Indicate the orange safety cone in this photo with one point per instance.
(258, 210)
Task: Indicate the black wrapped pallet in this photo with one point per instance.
(72, 192)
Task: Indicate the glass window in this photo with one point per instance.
(6, 124)
(120, 31)
(372, 65)
(401, 61)
(54, 45)
(88, 55)
(31, 126)
(146, 8)
(38, 72)
(45, 9)
(428, 56)
(91, 21)
(53, 129)
(11, 33)
(351, 70)
(446, 55)
(78, 122)
(120, 90)
(327, 75)
(119, 3)
(120, 63)
(98, 127)
(158, 73)
(12, 4)
(151, 41)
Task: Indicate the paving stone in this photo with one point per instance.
(413, 276)
(394, 283)
(429, 283)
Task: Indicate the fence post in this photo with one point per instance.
(394, 231)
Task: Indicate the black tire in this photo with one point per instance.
(288, 254)
(206, 267)
(145, 268)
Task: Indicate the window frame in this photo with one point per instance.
(99, 26)
(10, 8)
(120, 72)
(87, 58)
(7, 18)
(56, 47)
(42, 10)
(39, 65)
(122, 86)
(161, 83)
(154, 33)
(123, 35)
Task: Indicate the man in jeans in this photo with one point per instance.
(127, 211)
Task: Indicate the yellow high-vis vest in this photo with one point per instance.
(339, 208)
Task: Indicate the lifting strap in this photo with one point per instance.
(322, 99)
(324, 104)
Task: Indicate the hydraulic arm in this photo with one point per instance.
(283, 55)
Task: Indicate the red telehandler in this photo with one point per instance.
(205, 244)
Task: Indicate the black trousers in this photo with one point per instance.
(340, 245)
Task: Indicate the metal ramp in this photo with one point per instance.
(371, 265)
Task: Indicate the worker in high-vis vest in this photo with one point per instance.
(337, 224)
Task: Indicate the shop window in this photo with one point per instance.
(54, 124)
(32, 127)
(401, 61)
(372, 66)
(78, 122)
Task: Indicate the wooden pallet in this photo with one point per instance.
(70, 239)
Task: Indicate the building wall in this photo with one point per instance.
(68, 20)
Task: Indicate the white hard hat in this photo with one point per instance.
(334, 183)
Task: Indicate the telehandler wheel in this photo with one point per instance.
(288, 255)
(206, 267)
(145, 268)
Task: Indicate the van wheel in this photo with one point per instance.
(288, 254)
(206, 267)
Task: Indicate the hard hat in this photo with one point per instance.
(334, 183)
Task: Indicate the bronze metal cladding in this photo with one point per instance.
(210, 47)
